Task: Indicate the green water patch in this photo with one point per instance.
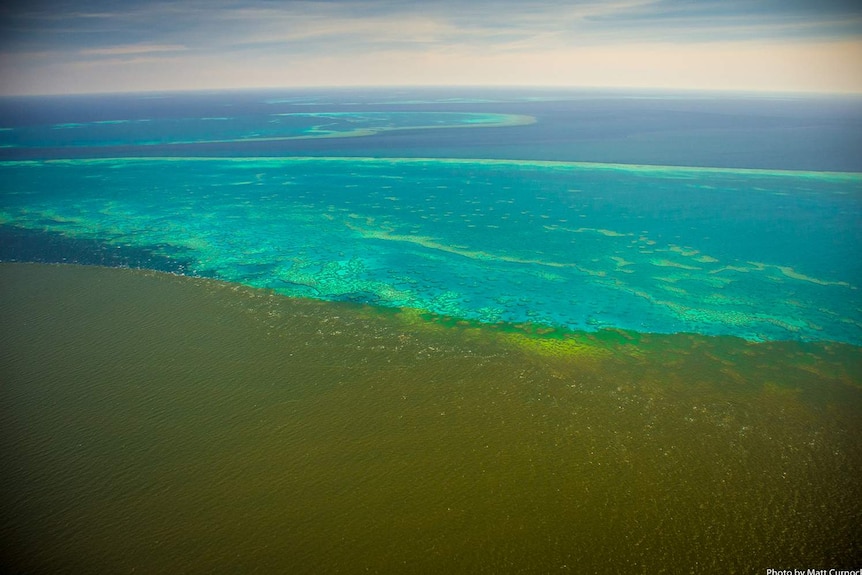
(730, 360)
(159, 423)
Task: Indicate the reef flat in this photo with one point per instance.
(258, 128)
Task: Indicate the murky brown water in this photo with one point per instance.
(158, 424)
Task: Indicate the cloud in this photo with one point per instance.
(234, 43)
(133, 49)
(220, 24)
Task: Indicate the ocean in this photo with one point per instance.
(418, 330)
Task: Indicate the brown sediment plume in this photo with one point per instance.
(158, 423)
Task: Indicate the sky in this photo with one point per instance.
(91, 46)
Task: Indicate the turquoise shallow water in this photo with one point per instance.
(764, 255)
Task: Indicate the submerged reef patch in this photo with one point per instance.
(483, 240)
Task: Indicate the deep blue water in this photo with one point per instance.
(818, 133)
(654, 212)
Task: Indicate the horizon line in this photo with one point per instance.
(513, 87)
